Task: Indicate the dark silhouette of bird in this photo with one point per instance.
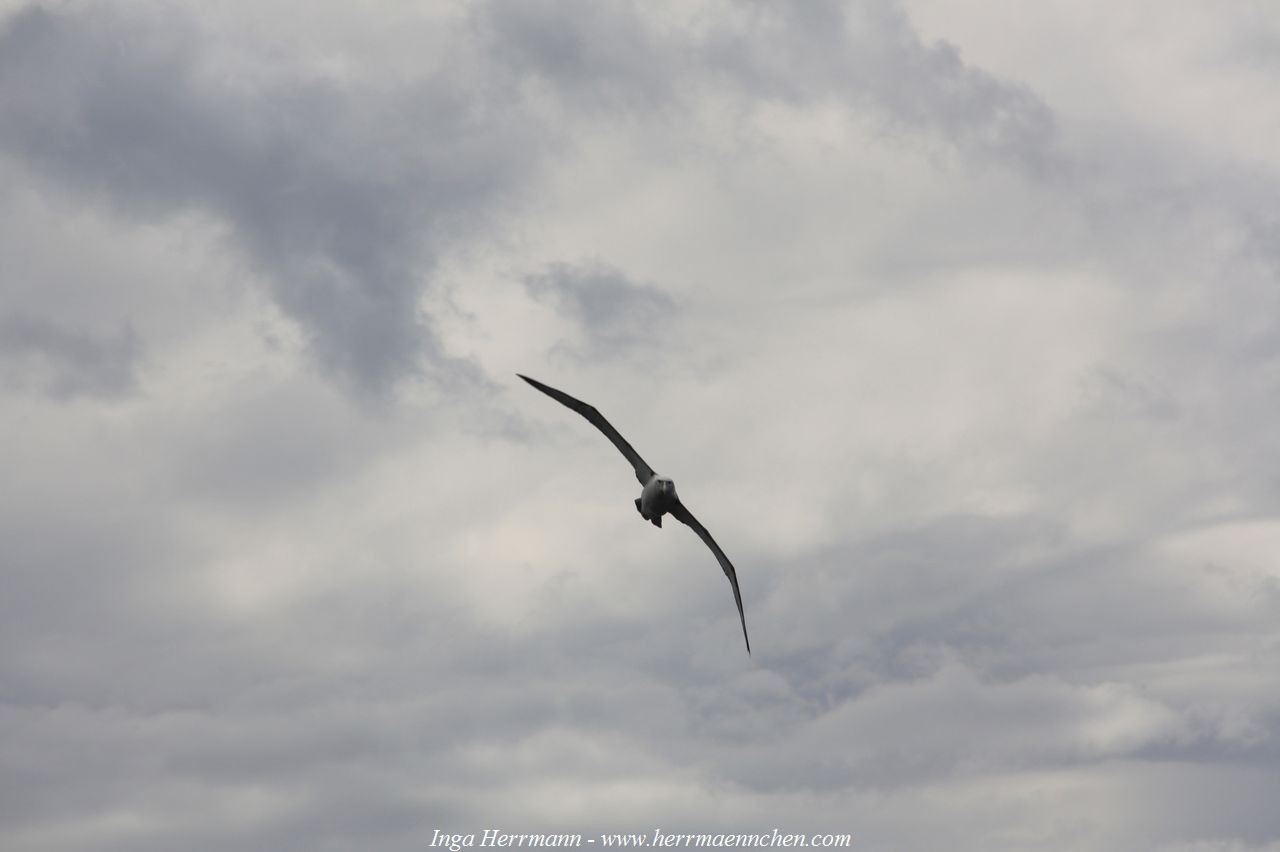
(657, 494)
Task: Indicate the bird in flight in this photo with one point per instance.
(658, 494)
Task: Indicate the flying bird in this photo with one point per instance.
(658, 494)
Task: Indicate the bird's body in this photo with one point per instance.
(657, 497)
(657, 494)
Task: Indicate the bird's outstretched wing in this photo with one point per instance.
(643, 472)
(686, 517)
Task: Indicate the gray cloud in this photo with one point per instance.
(344, 192)
(599, 55)
(42, 355)
(615, 314)
(341, 193)
(863, 55)
(869, 56)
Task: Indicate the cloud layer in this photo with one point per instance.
(967, 355)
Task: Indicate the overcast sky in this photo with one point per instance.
(956, 321)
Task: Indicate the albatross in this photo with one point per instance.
(657, 493)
